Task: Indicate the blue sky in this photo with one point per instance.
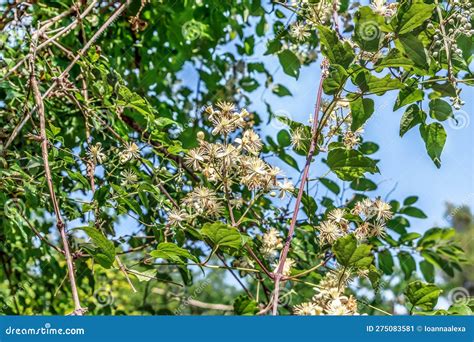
(404, 162)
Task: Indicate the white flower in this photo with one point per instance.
(336, 308)
(298, 136)
(96, 153)
(337, 216)
(194, 158)
(286, 271)
(378, 229)
(129, 177)
(381, 7)
(351, 139)
(271, 242)
(250, 142)
(307, 309)
(299, 31)
(130, 151)
(285, 187)
(382, 210)
(362, 231)
(328, 232)
(176, 217)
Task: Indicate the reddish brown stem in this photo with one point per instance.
(49, 180)
(309, 158)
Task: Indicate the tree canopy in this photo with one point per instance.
(137, 178)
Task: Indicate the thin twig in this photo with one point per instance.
(446, 46)
(39, 235)
(48, 24)
(64, 74)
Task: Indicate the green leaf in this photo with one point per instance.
(105, 254)
(145, 276)
(422, 295)
(281, 90)
(415, 50)
(171, 251)
(248, 84)
(434, 137)
(395, 59)
(101, 195)
(440, 109)
(439, 262)
(336, 51)
(54, 130)
(289, 160)
(350, 164)
(413, 212)
(386, 261)
(309, 205)
(414, 17)
(374, 277)
(406, 96)
(409, 237)
(222, 235)
(407, 263)
(368, 29)
(284, 138)
(273, 46)
(369, 83)
(412, 117)
(331, 185)
(363, 184)
(410, 200)
(335, 81)
(368, 147)
(244, 306)
(348, 254)
(361, 110)
(290, 63)
(427, 269)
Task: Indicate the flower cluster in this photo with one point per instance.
(455, 25)
(129, 152)
(330, 298)
(339, 125)
(374, 216)
(319, 12)
(203, 201)
(383, 8)
(237, 161)
(300, 31)
(271, 243)
(231, 160)
(334, 227)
